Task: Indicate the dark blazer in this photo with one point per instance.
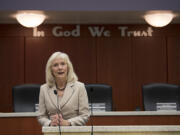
(73, 106)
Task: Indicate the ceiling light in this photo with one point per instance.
(159, 18)
(30, 19)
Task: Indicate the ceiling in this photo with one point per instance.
(87, 17)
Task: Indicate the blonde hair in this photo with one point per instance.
(71, 76)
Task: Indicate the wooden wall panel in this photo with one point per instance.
(114, 68)
(11, 69)
(173, 44)
(81, 51)
(149, 64)
(125, 63)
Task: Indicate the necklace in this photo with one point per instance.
(61, 88)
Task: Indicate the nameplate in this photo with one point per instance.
(166, 106)
(98, 107)
(36, 107)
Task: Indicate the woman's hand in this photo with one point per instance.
(54, 123)
(56, 120)
(65, 122)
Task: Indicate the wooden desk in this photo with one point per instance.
(114, 130)
(19, 126)
(136, 118)
(26, 123)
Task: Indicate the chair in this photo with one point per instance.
(25, 97)
(160, 93)
(100, 93)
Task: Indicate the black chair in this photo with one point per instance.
(100, 93)
(160, 93)
(25, 97)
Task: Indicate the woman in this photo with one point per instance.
(62, 94)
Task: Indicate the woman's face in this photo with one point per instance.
(59, 68)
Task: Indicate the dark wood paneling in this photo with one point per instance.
(135, 120)
(20, 126)
(11, 69)
(125, 63)
(173, 44)
(14, 30)
(82, 53)
(149, 64)
(114, 68)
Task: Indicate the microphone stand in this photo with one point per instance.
(92, 130)
(58, 111)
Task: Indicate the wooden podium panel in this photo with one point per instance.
(135, 120)
(19, 126)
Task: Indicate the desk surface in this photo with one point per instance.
(123, 113)
(112, 118)
(112, 128)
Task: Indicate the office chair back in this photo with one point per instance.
(100, 93)
(25, 97)
(160, 93)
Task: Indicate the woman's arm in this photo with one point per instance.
(43, 118)
(83, 108)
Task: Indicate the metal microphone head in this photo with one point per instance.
(55, 92)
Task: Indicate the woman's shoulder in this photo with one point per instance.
(78, 83)
(44, 86)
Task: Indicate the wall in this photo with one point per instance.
(111, 57)
(90, 5)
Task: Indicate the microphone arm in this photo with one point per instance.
(58, 111)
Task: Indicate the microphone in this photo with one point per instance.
(58, 111)
(55, 92)
(91, 101)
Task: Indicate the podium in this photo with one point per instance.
(113, 130)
